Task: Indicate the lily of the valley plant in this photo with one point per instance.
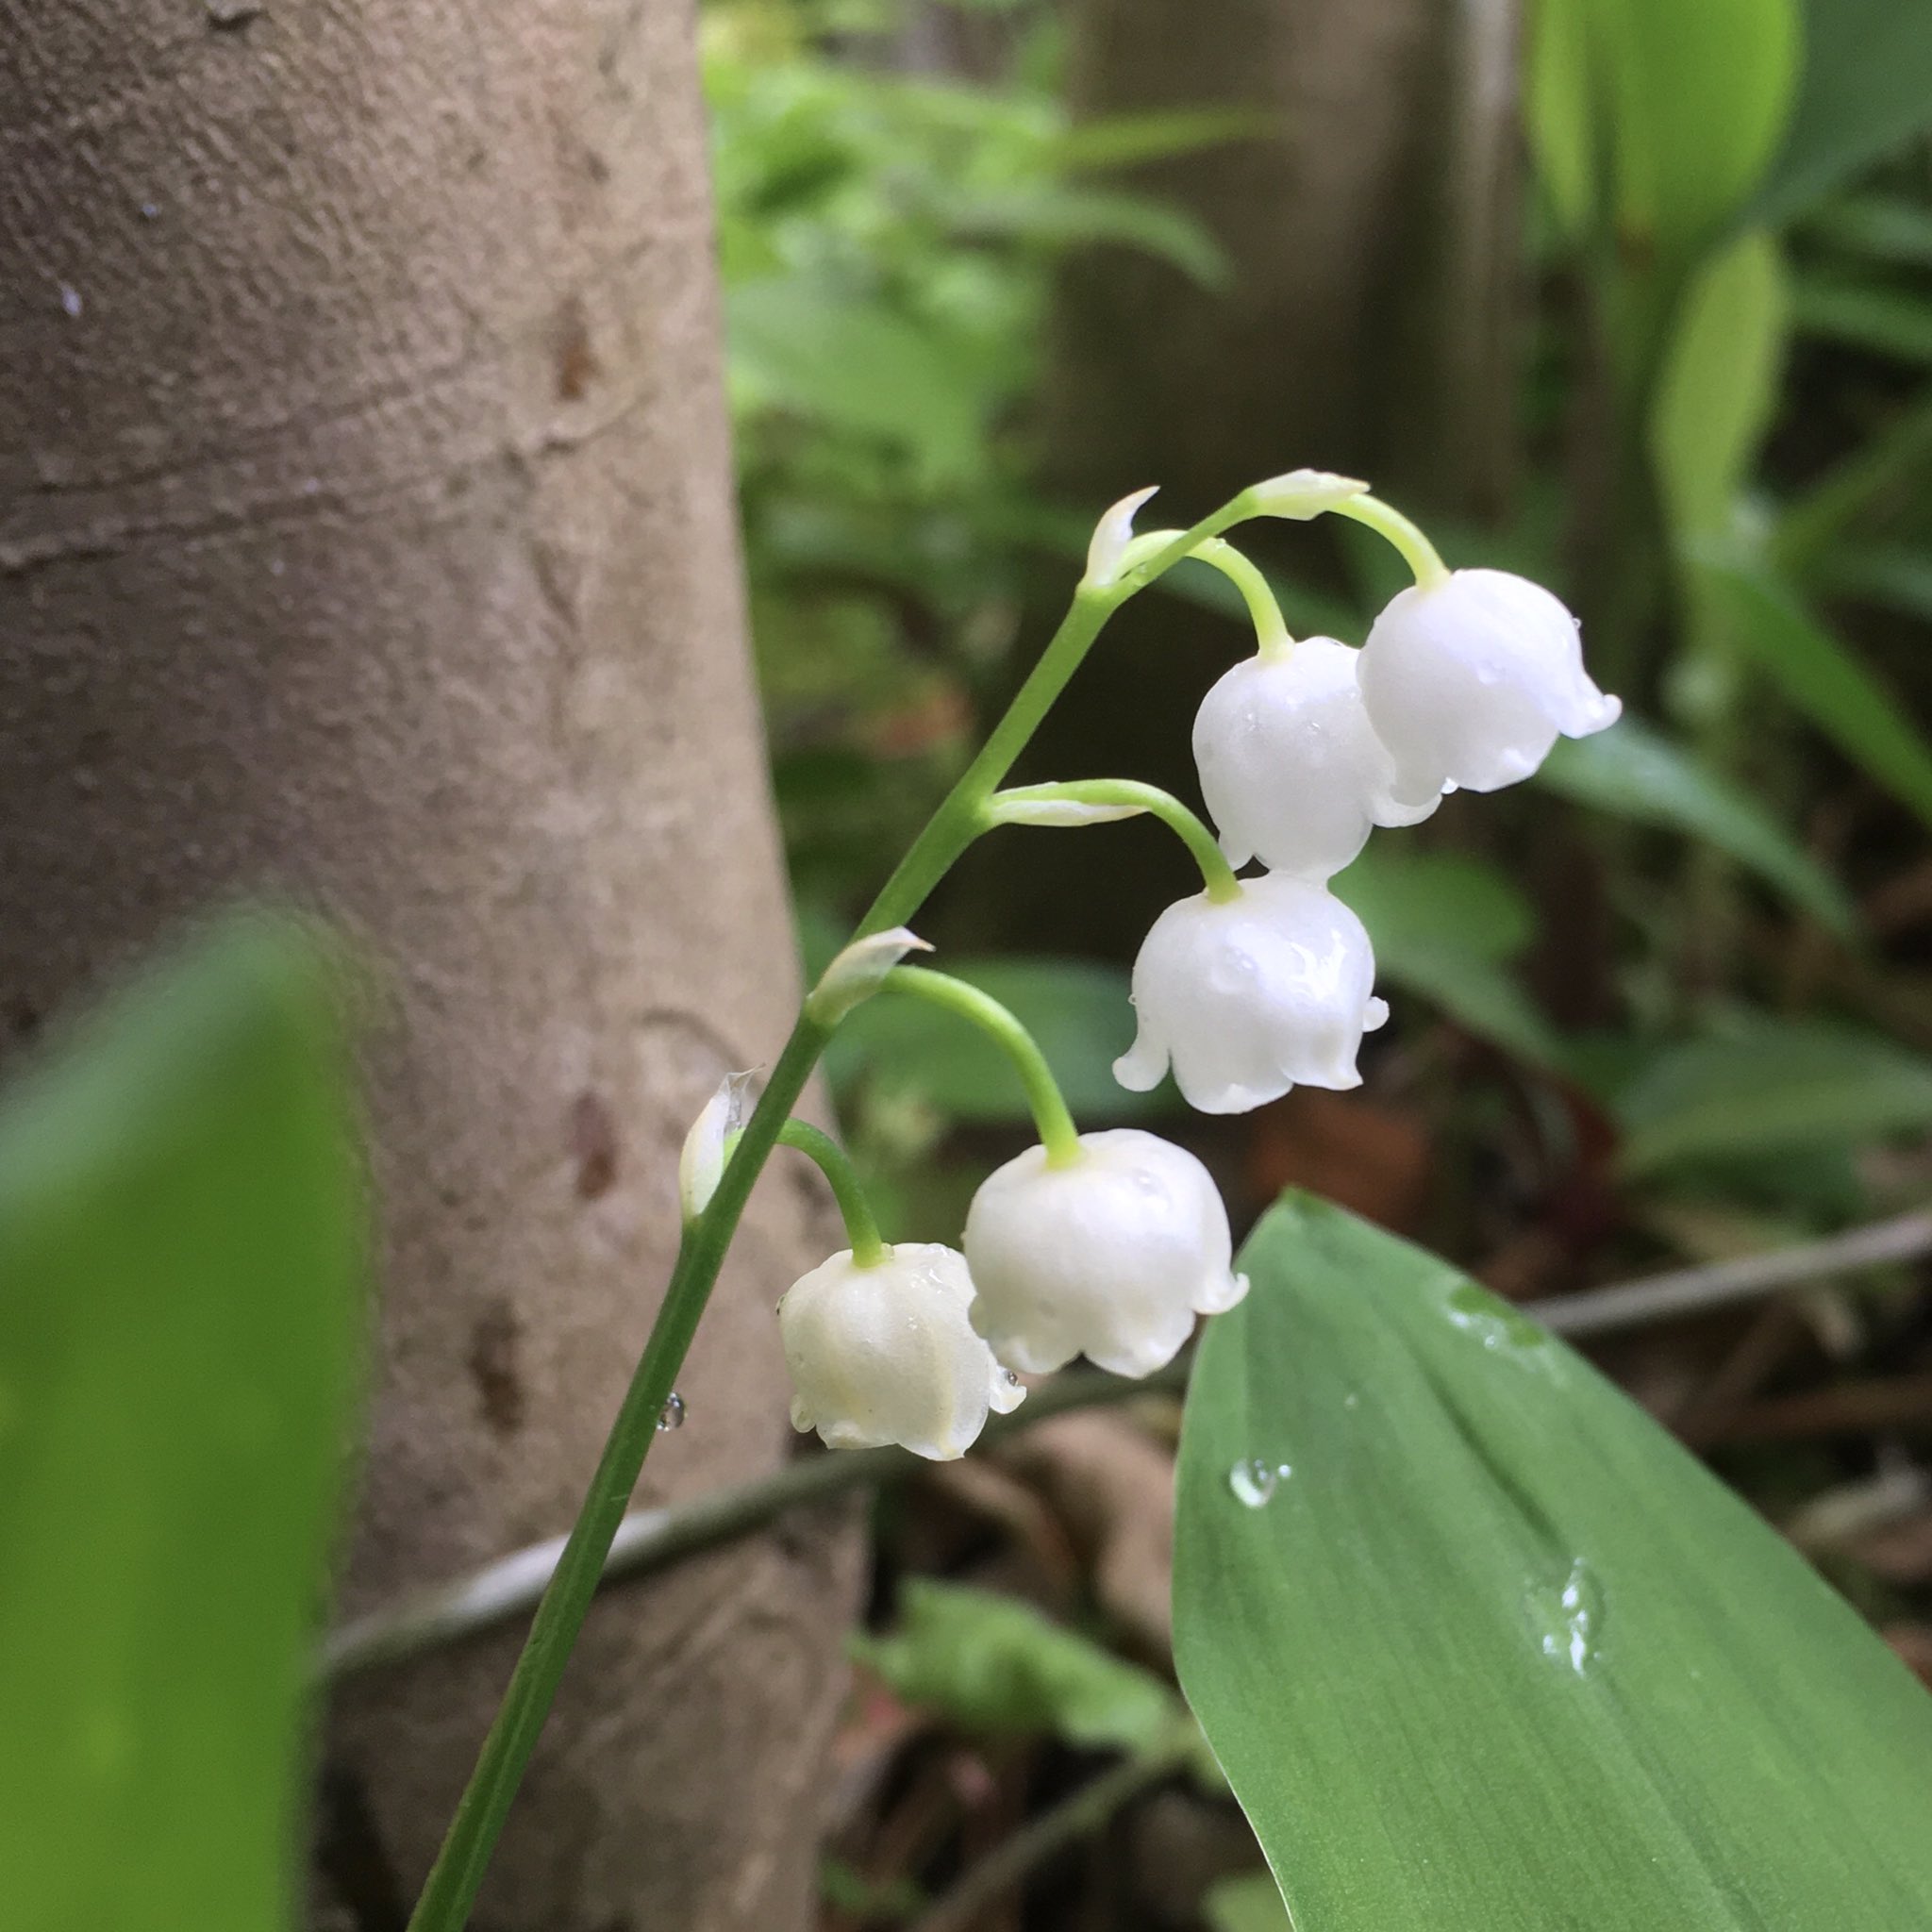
(1110, 1244)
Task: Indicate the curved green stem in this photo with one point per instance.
(1217, 875)
(1264, 612)
(861, 1230)
(1058, 1133)
(457, 1874)
(1425, 562)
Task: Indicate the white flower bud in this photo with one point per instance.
(1291, 767)
(1468, 681)
(887, 1354)
(707, 1146)
(1249, 996)
(1110, 1256)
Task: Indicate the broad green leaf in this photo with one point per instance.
(1866, 87)
(1479, 1646)
(1637, 774)
(1894, 576)
(1768, 1087)
(1444, 926)
(993, 1663)
(855, 365)
(1818, 674)
(1719, 385)
(1077, 1010)
(1699, 96)
(180, 1247)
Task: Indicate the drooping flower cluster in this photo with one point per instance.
(1466, 681)
(1111, 1244)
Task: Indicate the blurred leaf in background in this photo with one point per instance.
(182, 1246)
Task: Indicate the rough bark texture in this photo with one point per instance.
(364, 531)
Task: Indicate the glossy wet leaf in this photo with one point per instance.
(993, 1663)
(1498, 1655)
(1637, 773)
(179, 1252)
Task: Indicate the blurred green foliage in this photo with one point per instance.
(181, 1251)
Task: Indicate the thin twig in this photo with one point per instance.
(653, 1540)
(1695, 1291)
(1076, 1817)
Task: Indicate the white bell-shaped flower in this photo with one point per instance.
(1248, 997)
(1290, 767)
(1112, 1256)
(1470, 681)
(887, 1354)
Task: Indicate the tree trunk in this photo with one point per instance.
(1367, 222)
(365, 534)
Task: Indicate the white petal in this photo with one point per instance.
(1112, 535)
(1469, 681)
(887, 1354)
(1112, 1256)
(855, 974)
(1252, 995)
(1059, 811)
(1290, 767)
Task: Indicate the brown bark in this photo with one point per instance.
(365, 532)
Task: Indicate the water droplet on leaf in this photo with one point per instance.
(672, 1415)
(1253, 1481)
(1567, 1618)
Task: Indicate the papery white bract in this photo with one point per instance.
(886, 1354)
(1469, 681)
(1111, 1256)
(707, 1146)
(1249, 996)
(1304, 495)
(1291, 770)
(858, 972)
(1112, 535)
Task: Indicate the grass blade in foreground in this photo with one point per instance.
(1496, 1655)
(180, 1244)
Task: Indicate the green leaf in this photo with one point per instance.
(1636, 772)
(1444, 925)
(1719, 385)
(1896, 576)
(1767, 1087)
(993, 1663)
(1496, 1653)
(1063, 217)
(1129, 141)
(181, 1248)
(852, 364)
(1698, 97)
(1867, 315)
(1557, 110)
(1869, 723)
(1867, 86)
(1887, 227)
(1077, 1010)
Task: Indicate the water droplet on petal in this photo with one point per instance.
(1253, 1481)
(71, 299)
(672, 1415)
